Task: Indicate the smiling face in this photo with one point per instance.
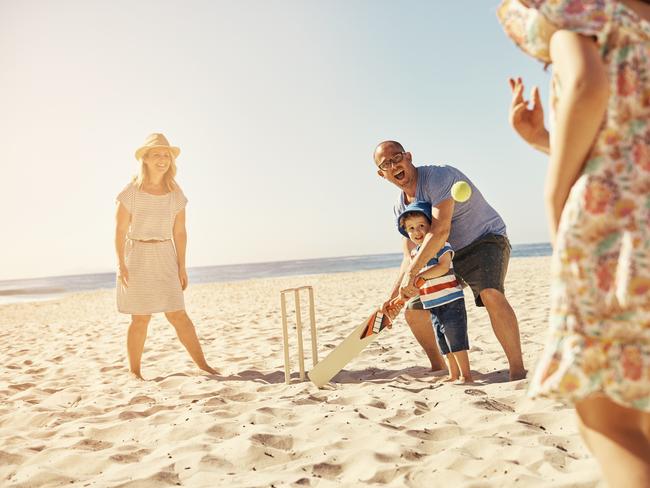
(395, 165)
(157, 161)
(416, 226)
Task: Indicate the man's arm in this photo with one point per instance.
(434, 240)
(407, 245)
(444, 263)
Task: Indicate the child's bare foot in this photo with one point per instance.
(464, 380)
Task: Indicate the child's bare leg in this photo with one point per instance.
(187, 335)
(462, 358)
(452, 366)
(135, 338)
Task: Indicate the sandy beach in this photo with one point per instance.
(71, 415)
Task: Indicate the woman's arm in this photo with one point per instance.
(122, 219)
(180, 243)
(582, 103)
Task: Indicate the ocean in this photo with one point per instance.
(48, 288)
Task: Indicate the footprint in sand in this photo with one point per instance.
(141, 399)
(131, 457)
(327, 470)
(216, 462)
(474, 392)
(281, 442)
(384, 458)
(489, 404)
(377, 404)
(222, 432)
(438, 434)
(412, 455)
(6, 458)
(92, 445)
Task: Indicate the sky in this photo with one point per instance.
(276, 105)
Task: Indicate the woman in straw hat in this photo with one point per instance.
(150, 241)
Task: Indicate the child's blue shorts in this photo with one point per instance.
(450, 323)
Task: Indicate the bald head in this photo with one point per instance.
(382, 146)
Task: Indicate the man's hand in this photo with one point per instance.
(528, 122)
(408, 289)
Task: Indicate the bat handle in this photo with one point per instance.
(395, 310)
(400, 303)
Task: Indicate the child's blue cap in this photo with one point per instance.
(419, 206)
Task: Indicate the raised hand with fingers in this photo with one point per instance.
(527, 121)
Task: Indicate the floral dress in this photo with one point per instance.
(600, 309)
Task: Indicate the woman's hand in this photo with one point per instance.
(182, 276)
(528, 122)
(123, 275)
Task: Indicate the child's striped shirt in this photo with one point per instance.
(443, 289)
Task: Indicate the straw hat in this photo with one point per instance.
(156, 140)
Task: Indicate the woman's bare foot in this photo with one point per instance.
(450, 379)
(136, 375)
(208, 369)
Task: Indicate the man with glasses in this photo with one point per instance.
(477, 233)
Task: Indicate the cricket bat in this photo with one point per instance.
(347, 350)
(366, 332)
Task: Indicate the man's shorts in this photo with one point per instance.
(480, 265)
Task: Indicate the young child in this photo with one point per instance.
(440, 293)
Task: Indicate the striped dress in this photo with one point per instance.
(443, 289)
(153, 283)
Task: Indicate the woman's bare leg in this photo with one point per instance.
(619, 438)
(187, 335)
(135, 338)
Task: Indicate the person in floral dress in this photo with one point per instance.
(598, 203)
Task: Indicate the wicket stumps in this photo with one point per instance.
(285, 330)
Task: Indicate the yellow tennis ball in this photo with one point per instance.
(461, 191)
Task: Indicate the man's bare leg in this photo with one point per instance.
(506, 329)
(420, 323)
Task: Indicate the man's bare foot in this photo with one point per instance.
(136, 375)
(438, 367)
(517, 374)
